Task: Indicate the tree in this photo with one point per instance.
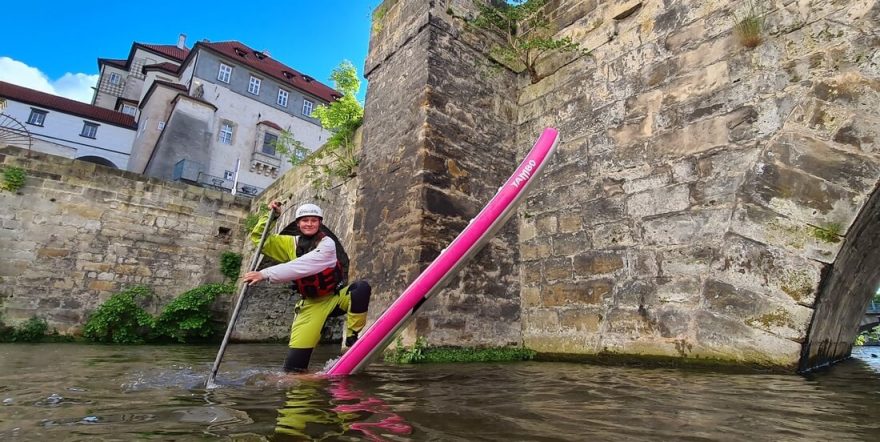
(345, 115)
(526, 31)
(342, 118)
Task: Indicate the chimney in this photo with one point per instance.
(181, 41)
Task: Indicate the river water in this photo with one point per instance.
(61, 392)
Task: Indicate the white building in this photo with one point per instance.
(207, 113)
(64, 127)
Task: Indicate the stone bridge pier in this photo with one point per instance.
(709, 201)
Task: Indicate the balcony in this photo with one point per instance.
(192, 172)
(265, 164)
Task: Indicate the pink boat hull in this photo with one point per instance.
(465, 245)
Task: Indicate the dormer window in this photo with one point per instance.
(308, 79)
(287, 75)
(259, 55)
(240, 52)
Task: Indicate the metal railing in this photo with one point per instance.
(191, 172)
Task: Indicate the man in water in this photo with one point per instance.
(309, 260)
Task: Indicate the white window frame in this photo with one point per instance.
(131, 112)
(226, 133)
(224, 74)
(283, 97)
(37, 117)
(115, 78)
(89, 130)
(310, 105)
(254, 85)
(228, 175)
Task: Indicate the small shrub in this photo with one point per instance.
(13, 178)
(749, 28)
(406, 355)
(230, 265)
(32, 330)
(120, 320)
(829, 233)
(188, 318)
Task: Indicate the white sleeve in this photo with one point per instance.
(316, 261)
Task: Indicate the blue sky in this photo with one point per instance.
(55, 48)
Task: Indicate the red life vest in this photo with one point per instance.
(326, 282)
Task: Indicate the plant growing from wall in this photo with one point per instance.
(13, 178)
(829, 233)
(120, 320)
(187, 318)
(526, 31)
(230, 265)
(749, 27)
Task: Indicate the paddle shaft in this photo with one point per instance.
(255, 261)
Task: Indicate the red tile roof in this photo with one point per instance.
(171, 68)
(66, 105)
(170, 51)
(270, 124)
(267, 65)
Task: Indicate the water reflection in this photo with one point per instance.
(325, 408)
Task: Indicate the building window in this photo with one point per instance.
(254, 85)
(226, 132)
(128, 109)
(228, 175)
(90, 130)
(37, 118)
(307, 107)
(225, 73)
(115, 78)
(269, 141)
(282, 97)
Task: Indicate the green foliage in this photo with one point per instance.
(871, 336)
(379, 19)
(13, 178)
(33, 330)
(749, 27)
(342, 118)
(829, 233)
(293, 150)
(188, 318)
(251, 220)
(406, 355)
(120, 320)
(526, 31)
(421, 353)
(230, 265)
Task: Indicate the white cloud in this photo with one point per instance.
(74, 86)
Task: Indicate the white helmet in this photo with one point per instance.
(308, 210)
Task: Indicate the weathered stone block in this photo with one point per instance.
(612, 235)
(685, 227)
(555, 269)
(598, 262)
(580, 321)
(657, 201)
(591, 292)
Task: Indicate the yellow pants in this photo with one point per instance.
(305, 332)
